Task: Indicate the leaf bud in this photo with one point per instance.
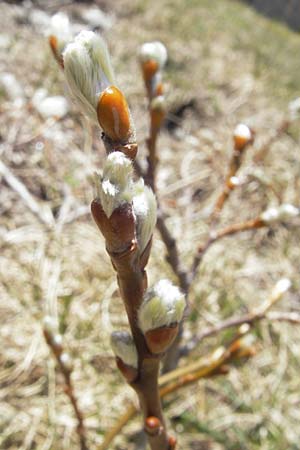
(159, 315)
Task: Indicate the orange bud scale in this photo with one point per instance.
(113, 114)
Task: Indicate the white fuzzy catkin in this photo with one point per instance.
(294, 108)
(124, 348)
(88, 70)
(50, 325)
(242, 131)
(145, 211)
(283, 212)
(61, 29)
(158, 103)
(282, 286)
(154, 51)
(163, 305)
(66, 361)
(288, 211)
(114, 186)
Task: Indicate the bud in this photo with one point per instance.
(88, 71)
(50, 325)
(126, 354)
(242, 136)
(172, 443)
(114, 186)
(158, 103)
(114, 116)
(152, 425)
(269, 216)
(66, 361)
(159, 314)
(155, 52)
(287, 211)
(158, 111)
(145, 210)
(233, 182)
(57, 341)
(153, 56)
(281, 287)
(59, 35)
(283, 212)
(294, 108)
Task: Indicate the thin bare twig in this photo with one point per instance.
(173, 257)
(217, 235)
(66, 371)
(265, 148)
(250, 318)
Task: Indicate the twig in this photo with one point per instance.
(216, 235)
(243, 136)
(178, 379)
(172, 252)
(263, 151)
(257, 314)
(42, 212)
(213, 364)
(65, 367)
(281, 316)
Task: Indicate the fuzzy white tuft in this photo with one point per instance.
(294, 108)
(61, 29)
(283, 212)
(154, 51)
(235, 181)
(50, 325)
(158, 103)
(114, 187)
(145, 210)
(66, 361)
(118, 169)
(287, 211)
(124, 348)
(88, 70)
(242, 131)
(163, 305)
(282, 286)
(269, 216)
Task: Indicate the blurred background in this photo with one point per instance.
(228, 63)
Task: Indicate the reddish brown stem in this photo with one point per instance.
(120, 235)
(228, 187)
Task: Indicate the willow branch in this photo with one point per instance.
(119, 231)
(215, 362)
(66, 370)
(265, 148)
(228, 187)
(242, 137)
(217, 235)
(173, 257)
(178, 379)
(261, 312)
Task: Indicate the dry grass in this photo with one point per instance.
(216, 55)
